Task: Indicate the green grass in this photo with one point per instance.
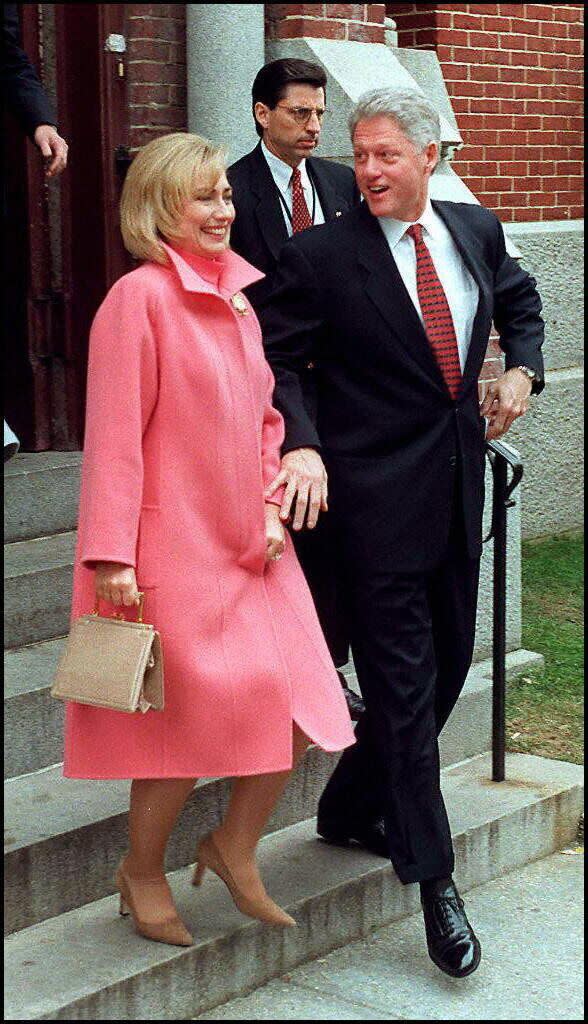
(546, 709)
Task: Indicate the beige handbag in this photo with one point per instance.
(111, 663)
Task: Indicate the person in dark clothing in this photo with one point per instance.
(26, 98)
(281, 189)
(395, 302)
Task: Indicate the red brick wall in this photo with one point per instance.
(361, 22)
(156, 37)
(514, 73)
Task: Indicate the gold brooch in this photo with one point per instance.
(239, 304)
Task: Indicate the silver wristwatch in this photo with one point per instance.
(531, 374)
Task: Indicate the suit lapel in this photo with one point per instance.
(268, 210)
(470, 250)
(386, 289)
(331, 203)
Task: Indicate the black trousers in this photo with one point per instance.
(317, 555)
(412, 637)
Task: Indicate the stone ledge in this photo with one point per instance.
(545, 227)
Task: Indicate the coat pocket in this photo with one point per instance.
(148, 547)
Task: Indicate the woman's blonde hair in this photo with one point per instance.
(163, 176)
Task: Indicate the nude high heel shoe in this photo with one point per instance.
(170, 930)
(264, 909)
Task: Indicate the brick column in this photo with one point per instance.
(362, 23)
(157, 70)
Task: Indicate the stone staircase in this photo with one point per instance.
(68, 955)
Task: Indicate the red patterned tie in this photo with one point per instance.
(300, 215)
(436, 313)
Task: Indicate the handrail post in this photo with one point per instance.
(501, 456)
(499, 626)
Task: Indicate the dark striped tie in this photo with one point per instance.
(436, 313)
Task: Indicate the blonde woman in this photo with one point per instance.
(181, 443)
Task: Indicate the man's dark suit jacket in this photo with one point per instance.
(259, 230)
(22, 91)
(390, 434)
(258, 234)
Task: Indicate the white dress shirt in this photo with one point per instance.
(282, 175)
(461, 290)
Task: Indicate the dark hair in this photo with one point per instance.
(273, 79)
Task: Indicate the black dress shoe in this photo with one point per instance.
(354, 701)
(372, 837)
(451, 941)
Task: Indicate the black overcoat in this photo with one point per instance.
(259, 230)
(22, 91)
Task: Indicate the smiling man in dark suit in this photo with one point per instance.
(281, 189)
(395, 302)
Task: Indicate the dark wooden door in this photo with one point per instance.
(26, 274)
(66, 266)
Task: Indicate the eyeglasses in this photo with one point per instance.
(302, 115)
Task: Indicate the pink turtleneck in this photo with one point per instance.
(208, 267)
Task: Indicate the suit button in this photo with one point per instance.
(310, 366)
(453, 461)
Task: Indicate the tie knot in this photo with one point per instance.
(296, 177)
(415, 231)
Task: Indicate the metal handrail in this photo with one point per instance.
(501, 456)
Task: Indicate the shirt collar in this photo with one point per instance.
(394, 230)
(282, 172)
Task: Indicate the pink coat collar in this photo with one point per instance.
(236, 273)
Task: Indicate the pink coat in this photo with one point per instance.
(181, 439)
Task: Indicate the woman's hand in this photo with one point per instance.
(116, 583)
(274, 533)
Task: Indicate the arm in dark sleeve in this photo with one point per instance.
(291, 321)
(517, 306)
(23, 93)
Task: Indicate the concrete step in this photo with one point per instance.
(336, 896)
(54, 826)
(82, 821)
(469, 729)
(386, 977)
(37, 589)
(33, 720)
(41, 491)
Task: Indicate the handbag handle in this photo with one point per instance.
(118, 615)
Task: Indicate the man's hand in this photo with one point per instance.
(275, 534)
(116, 583)
(53, 148)
(506, 400)
(305, 477)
